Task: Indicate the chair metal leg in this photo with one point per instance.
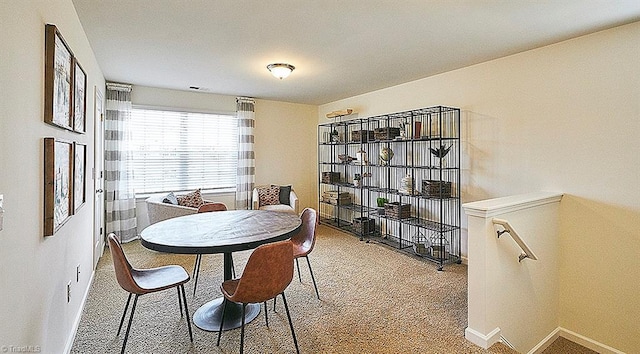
(244, 308)
(196, 272)
(224, 307)
(126, 336)
(266, 319)
(126, 307)
(312, 277)
(274, 303)
(293, 333)
(233, 267)
(180, 301)
(298, 266)
(186, 309)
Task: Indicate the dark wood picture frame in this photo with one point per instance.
(58, 85)
(58, 191)
(79, 175)
(79, 98)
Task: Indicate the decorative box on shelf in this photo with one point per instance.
(364, 225)
(396, 210)
(330, 177)
(362, 136)
(436, 189)
(336, 198)
(388, 133)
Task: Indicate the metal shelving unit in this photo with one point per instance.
(422, 178)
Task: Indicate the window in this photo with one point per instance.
(177, 151)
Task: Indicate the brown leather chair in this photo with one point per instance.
(304, 241)
(205, 208)
(268, 272)
(145, 281)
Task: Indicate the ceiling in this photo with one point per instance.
(340, 48)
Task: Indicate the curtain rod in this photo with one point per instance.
(118, 87)
(245, 99)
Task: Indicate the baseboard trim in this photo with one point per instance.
(479, 339)
(546, 342)
(576, 338)
(76, 322)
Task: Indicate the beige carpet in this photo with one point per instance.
(373, 300)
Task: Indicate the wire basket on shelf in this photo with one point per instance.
(421, 244)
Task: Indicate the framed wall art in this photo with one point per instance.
(57, 79)
(79, 97)
(79, 175)
(58, 192)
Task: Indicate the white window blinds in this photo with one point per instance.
(178, 151)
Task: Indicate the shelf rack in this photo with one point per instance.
(425, 144)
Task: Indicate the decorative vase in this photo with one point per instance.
(361, 157)
(406, 185)
(386, 154)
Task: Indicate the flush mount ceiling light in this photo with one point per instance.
(280, 70)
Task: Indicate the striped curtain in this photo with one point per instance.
(120, 197)
(245, 179)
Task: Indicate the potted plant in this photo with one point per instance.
(381, 201)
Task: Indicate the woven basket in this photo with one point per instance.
(436, 189)
(364, 226)
(396, 210)
(388, 133)
(362, 136)
(330, 177)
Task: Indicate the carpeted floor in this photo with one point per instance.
(372, 300)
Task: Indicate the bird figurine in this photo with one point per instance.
(440, 152)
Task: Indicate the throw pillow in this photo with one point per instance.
(269, 195)
(170, 199)
(285, 194)
(191, 200)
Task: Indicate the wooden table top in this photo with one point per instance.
(220, 231)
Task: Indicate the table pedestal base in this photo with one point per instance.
(208, 316)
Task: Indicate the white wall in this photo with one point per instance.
(564, 117)
(285, 139)
(34, 270)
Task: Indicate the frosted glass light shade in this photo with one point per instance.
(280, 70)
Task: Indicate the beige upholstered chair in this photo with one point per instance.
(291, 207)
(158, 211)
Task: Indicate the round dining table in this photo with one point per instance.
(220, 232)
